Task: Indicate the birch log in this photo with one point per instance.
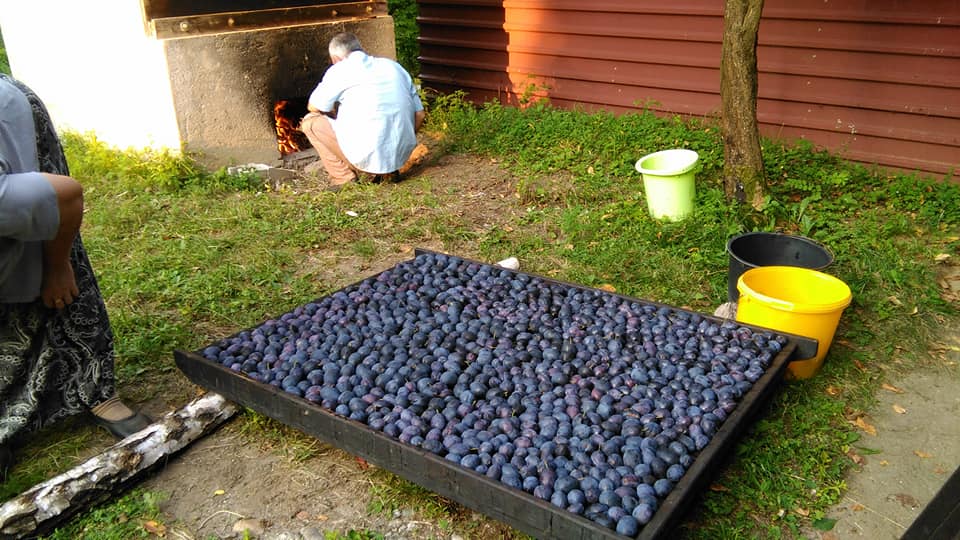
(46, 505)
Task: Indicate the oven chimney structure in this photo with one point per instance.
(196, 75)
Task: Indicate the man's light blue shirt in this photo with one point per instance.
(375, 118)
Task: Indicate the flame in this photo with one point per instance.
(289, 137)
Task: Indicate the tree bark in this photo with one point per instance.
(48, 504)
(744, 178)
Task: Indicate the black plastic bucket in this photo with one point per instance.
(755, 249)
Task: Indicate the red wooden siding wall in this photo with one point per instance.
(877, 80)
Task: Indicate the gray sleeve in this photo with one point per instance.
(28, 207)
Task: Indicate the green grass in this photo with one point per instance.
(185, 257)
(4, 61)
(126, 518)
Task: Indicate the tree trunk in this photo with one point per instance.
(743, 174)
(48, 504)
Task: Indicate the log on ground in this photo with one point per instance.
(51, 503)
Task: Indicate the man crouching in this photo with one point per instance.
(364, 115)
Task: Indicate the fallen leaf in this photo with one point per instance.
(351, 213)
(940, 257)
(859, 365)
(858, 507)
(606, 217)
(781, 513)
(898, 409)
(907, 500)
(590, 169)
(303, 515)
(508, 228)
(568, 247)
(855, 457)
(607, 287)
(321, 517)
(718, 487)
(915, 311)
(218, 492)
(891, 388)
(362, 463)
(894, 300)
(833, 390)
(802, 511)
(940, 470)
(153, 527)
(921, 454)
(866, 427)
(884, 462)
(827, 535)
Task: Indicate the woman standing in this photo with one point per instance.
(56, 344)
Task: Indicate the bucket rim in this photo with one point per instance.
(690, 155)
(794, 307)
(830, 256)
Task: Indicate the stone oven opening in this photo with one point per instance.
(295, 150)
(287, 114)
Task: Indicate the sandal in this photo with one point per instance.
(124, 427)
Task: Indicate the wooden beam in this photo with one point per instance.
(216, 23)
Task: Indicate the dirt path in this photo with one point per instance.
(916, 440)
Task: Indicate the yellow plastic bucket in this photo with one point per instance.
(796, 300)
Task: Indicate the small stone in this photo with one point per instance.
(253, 526)
(456, 537)
(311, 533)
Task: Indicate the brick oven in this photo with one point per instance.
(204, 75)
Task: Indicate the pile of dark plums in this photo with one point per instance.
(588, 400)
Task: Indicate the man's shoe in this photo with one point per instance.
(392, 177)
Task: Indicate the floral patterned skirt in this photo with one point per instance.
(53, 364)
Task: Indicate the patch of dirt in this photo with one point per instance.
(225, 478)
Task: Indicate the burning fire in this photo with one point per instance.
(289, 137)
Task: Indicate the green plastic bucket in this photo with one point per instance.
(668, 182)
